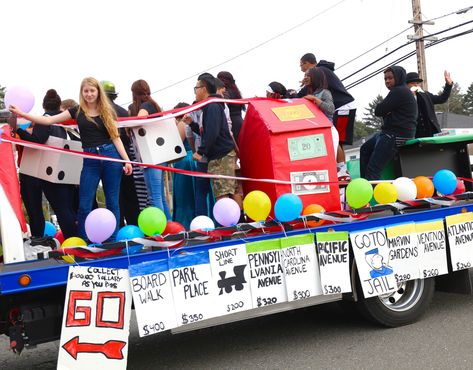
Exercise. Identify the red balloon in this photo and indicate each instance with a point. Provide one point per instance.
(173, 227)
(460, 187)
(59, 237)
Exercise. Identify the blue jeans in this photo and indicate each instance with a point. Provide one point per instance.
(155, 184)
(375, 154)
(92, 172)
(203, 193)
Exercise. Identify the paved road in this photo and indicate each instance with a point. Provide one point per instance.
(320, 337)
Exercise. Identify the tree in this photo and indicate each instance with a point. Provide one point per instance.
(468, 101)
(361, 130)
(454, 104)
(2, 97)
(370, 120)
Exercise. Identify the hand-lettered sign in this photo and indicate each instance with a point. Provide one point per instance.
(432, 248)
(370, 248)
(267, 281)
(231, 279)
(460, 240)
(301, 270)
(192, 288)
(404, 255)
(96, 319)
(152, 294)
(333, 252)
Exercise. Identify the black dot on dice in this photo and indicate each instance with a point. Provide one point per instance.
(178, 149)
(142, 132)
(61, 175)
(66, 147)
(49, 171)
(160, 141)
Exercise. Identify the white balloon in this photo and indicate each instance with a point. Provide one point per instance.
(202, 223)
(406, 189)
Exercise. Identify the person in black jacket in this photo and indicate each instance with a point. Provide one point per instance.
(399, 112)
(217, 143)
(427, 124)
(60, 196)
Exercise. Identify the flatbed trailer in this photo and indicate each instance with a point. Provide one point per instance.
(35, 310)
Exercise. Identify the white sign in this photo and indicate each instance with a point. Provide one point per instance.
(230, 277)
(267, 281)
(301, 270)
(432, 248)
(370, 248)
(460, 240)
(333, 252)
(96, 319)
(191, 280)
(404, 256)
(152, 294)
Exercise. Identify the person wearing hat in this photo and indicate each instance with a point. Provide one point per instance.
(427, 124)
(109, 88)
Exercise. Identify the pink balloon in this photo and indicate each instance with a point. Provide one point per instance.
(226, 212)
(100, 225)
(19, 96)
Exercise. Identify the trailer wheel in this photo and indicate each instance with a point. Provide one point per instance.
(402, 307)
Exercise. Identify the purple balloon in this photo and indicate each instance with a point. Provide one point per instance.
(226, 212)
(19, 96)
(100, 225)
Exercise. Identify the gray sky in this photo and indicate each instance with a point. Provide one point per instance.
(54, 44)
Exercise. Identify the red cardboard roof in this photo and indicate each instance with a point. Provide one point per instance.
(290, 115)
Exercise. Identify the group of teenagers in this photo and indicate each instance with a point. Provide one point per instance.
(210, 136)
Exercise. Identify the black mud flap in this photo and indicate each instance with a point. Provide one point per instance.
(460, 282)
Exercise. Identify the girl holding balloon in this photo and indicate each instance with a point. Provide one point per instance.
(96, 120)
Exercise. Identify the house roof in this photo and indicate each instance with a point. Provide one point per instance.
(453, 120)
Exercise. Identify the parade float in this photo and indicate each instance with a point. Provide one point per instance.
(382, 246)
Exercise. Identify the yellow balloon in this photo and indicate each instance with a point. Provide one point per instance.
(257, 205)
(72, 242)
(385, 192)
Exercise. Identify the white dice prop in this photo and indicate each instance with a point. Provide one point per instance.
(54, 167)
(159, 142)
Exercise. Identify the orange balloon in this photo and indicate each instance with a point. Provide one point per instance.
(425, 187)
(313, 208)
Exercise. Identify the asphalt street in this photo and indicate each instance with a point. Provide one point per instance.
(321, 337)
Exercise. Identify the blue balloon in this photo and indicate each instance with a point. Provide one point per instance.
(445, 182)
(129, 232)
(49, 229)
(24, 126)
(288, 207)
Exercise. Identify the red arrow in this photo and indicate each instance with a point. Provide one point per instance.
(111, 349)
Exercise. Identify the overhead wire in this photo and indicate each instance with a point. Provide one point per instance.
(374, 47)
(406, 56)
(402, 46)
(460, 11)
(254, 47)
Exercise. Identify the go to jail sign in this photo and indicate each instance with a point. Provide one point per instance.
(96, 319)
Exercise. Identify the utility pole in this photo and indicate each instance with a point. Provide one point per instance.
(419, 37)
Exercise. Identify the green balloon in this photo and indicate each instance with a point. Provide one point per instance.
(359, 192)
(152, 221)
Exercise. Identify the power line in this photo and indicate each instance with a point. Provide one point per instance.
(406, 56)
(461, 11)
(253, 48)
(374, 47)
(402, 46)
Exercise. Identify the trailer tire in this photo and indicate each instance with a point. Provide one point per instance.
(403, 307)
